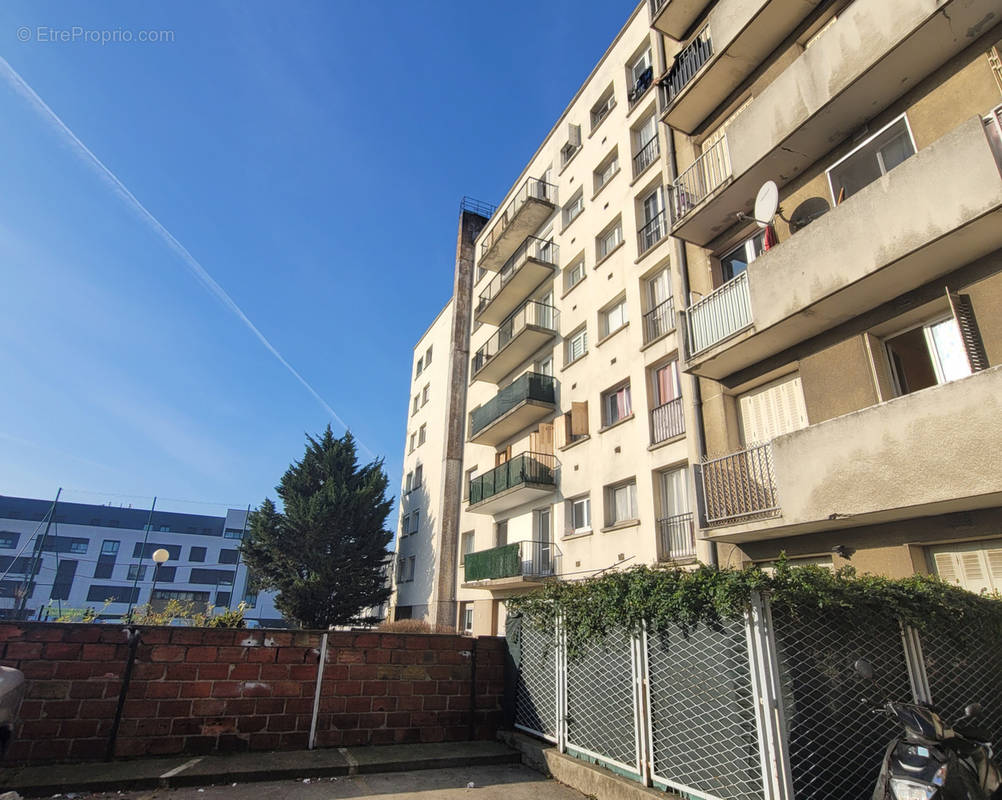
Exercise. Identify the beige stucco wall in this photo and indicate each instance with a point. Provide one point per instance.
(838, 380)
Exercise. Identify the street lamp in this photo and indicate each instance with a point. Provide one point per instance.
(160, 555)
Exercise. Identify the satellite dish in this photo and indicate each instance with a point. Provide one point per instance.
(766, 203)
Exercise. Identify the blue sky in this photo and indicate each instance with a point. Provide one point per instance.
(310, 157)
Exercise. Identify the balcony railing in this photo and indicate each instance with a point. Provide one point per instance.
(718, 316)
(528, 559)
(656, 6)
(531, 386)
(667, 421)
(653, 232)
(516, 471)
(676, 537)
(646, 155)
(700, 178)
(685, 66)
(532, 313)
(533, 247)
(659, 320)
(641, 86)
(739, 485)
(533, 188)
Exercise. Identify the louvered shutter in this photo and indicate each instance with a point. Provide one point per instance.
(963, 313)
(579, 419)
(946, 567)
(772, 410)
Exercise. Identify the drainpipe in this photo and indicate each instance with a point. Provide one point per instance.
(683, 262)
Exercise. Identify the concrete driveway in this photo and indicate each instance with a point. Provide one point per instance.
(502, 782)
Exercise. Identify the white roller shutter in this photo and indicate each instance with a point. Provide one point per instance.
(772, 410)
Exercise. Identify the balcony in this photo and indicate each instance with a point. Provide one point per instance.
(534, 202)
(875, 52)
(521, 479)
(516, 340)
(697, 182)
(652, 233)
(667, 421)
(738, 36)
(935, 212)
(674, 17)
(530, 265)
(676, 538)
(934, 451)
(646, 155)
(525, 402)
(511, 565)
(659, 321)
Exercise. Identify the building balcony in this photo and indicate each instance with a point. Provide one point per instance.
(738, 36)
(934, 451)
(511, 565)
(677, 538)
(646, 155)
(935, 212)
(871, 55)
(532, 263)
(521, 479)
(659, 321)
(534, 202)
(674, 18)
(530, 399)
(517, 338)
(652, 233)
(667, 421)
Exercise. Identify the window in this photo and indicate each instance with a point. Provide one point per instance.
(405, 525)
(223, 599)
(425, 393)
(737, 260)
(466, 546)
(137, 572)
(621, 502)
(427, 356)
(409, 483)
(414, 408)
(8, 539)
(574, 274)
(613, 318)
(578, 515)
(609, 240)
(422, 434)
(577, 346)
(413, 442)
(415, 521)
(197, 554)
(232, 533)
(772, 410)
(501, 533)
(163, 528)
(667, 416)
(109, 547)
(228, 556)
(674, 492)
(573, 144)
(641, 75)
(616, 405)
(928, 355)
(601, 109)
(116, 594)
(576, 423)
(173, 550)
(466, 483)
(466, 617)
(976, 566)
(574, 207)
(418, 472)
(250, 598)
(409, 570)
(606, 171)
(646, 148)
(78, 547)
(165, 574)
(875, 157)
(211, 577)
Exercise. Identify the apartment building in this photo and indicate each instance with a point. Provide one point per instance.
(847, 345)
(91, 554)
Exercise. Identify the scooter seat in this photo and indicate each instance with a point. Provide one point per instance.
(973, 732)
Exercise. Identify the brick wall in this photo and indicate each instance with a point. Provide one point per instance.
(203, 690)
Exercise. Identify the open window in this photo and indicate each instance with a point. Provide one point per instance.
(875, 157)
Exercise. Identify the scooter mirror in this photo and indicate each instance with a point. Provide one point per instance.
(972, 710)
(864, 669)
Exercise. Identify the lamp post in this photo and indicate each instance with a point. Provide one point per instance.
(160, 555)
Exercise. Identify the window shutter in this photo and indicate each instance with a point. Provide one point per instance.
(574, 135)
(545, 438)
(534, 442)
(946, 567)
(963, 313)
(579, 419)
(994, 558)
(772, 410)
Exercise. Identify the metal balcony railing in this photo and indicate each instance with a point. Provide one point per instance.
(667, 421)
(652, 233)
(528, 559)
(718, 316)
(700, 178)
(646, 155)
(656, 6)
(533, 247)
(659, 320)
(531, 386)
(532, 313)
(533, 188)
(685, 66)
(676, 537)
(739, 485)
(519, 470)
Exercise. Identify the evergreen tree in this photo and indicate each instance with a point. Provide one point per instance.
(326, 554)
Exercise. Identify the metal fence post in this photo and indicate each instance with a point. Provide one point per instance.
(642, 705)
(777, 779)
(915, 662)
(560, 668)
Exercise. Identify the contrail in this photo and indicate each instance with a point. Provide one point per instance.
(201, 274)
